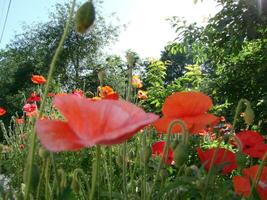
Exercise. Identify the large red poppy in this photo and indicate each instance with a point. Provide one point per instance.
(2, 111)
(38, 79)
(88, 123)
(157, 150)
(242, 184)
(34, 98)
(223, 158)
(191, 107)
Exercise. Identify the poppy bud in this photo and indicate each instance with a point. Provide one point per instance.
(192, 171)
(174, 144)
(180, 154)
(75, 184)
(119, 160)
(241, 160)
(146, 154)
(249, 115)
(63, 178)
(85, 17)
(43, 153)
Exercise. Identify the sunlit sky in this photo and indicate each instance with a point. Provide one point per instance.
(146, 32)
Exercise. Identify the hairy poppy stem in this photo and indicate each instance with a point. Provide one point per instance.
(166, 148)
(95, 172)
(257, 178)
(29, 163)
(211, 169)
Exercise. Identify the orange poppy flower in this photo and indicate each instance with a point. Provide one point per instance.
(136, 82)
(38, 79)
(242, 184)
(2, 111)
(89, 123)
(224, 158)
(107, 92)
(19, 120)
(141, 94)
(191, 107)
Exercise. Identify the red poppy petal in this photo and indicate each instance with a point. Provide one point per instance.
(182, 104)
(57, 136)
(241, 185)
(200, 122)
(163, 123)
(104, 121)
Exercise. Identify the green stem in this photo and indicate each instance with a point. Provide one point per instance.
(30, 158)
(210, 170)
(124, 170)
(95, 172)
(238, 110)
(258, 175)
(166, 148)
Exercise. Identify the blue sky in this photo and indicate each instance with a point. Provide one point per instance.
(147, 30)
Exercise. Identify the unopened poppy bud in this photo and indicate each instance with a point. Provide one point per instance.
(174, 144)
(63, 178)
(241, 160)
(119, 160)
(75, 184)
(249, 115)
(180, 154)
(85, 17)
(43, 153)
(192, 171)
(146, 154)
(101, 76)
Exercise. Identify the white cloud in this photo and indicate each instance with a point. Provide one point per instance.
(148, 31)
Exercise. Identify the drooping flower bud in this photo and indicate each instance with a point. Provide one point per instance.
(249, 115)
(85, 17)
(146, 154)
(180, 154)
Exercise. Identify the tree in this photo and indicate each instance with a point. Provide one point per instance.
(32, 52)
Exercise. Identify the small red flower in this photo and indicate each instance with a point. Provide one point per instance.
(252, 143)
(158, 148)
(223, 158)
(89, 123)
(79, 93)
(29, 107)
(37, 79)
(50, 94)
(191, 107)
(34, 98)
(2, 111)
(242, 184)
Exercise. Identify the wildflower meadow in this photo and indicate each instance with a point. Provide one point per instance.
(78, 124)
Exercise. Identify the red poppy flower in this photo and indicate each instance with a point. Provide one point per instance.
(88, 123)
(242, 185)
(34, 98)
(2, 111)
(158, 148)
(37, 79)
(223, 158)
(252, 143)
(191, 107)
(29, 107)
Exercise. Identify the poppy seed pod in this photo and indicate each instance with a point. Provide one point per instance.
(249, 115)
(85, 17)
(180, 154)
